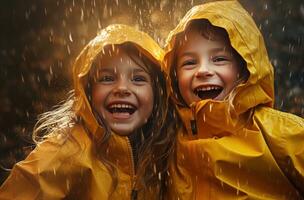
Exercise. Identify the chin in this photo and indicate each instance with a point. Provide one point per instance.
(122, 131)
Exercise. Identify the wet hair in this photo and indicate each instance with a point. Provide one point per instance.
(210, 32)
(56, 122)
(158, 132)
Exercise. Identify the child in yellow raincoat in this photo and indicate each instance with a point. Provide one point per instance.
(109, 140)
(232, 144)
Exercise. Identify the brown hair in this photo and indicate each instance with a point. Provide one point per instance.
(154, 152)
(158, 133)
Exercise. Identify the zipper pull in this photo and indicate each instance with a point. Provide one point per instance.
(193, 120)
(134, 195)
(193, 127)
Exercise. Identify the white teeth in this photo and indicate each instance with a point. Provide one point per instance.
(207, 88)
(121, 106)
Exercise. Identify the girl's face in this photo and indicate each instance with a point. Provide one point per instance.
(122, 92)
(206, 69)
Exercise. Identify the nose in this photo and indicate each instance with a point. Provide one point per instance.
(122, 88)
(204, 70)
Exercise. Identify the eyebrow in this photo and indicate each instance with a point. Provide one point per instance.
(186, 53)
(105, 69)
(191, 53)
(220, 49)
(140, 69)
(111, 70)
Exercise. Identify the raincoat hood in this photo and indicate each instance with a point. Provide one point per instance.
(244, 151)
(246, 39)
(112, 35)
(67, 166)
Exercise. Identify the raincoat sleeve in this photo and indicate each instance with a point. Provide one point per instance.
(39, 176)
(284, 134)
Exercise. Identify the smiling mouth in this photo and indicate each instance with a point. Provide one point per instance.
(208, 92)
(121, 108)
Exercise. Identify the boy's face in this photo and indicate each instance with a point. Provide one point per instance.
(122, 93)
(206, 69)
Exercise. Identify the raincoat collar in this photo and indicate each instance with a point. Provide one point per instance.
(111, 35)
(247, 40)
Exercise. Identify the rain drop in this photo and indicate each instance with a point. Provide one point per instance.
(68, 184)
(68, 49)
(81, 15)
(70, 37)
(22, 78)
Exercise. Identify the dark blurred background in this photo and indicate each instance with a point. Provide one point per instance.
(39, 39)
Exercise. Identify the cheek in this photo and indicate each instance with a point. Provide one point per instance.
(98, 95)
(146, 99)
(230, 75)
(184, 81)
(149, 96)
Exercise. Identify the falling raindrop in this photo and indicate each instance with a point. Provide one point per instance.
(22, 78)
(99, 24)
(70, 37)
(110, 12)
(51, 70)
(222, 184)
(68, 49)
(68, 184)
(210, 107)
(81, 15)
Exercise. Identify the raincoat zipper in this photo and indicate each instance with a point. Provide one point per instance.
(193, 125)
(133, 177)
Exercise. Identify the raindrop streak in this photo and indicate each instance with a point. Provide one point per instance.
(70, 37)
(81, 15)
(68, 48)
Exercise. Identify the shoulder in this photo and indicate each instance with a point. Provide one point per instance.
(279, 121)
(283, 132)
(56, 152)
(57, 163)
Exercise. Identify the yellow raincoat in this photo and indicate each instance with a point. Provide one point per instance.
(255, 152)
(62, 168)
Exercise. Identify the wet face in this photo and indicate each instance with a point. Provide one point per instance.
(206, 69)
(122, 92)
